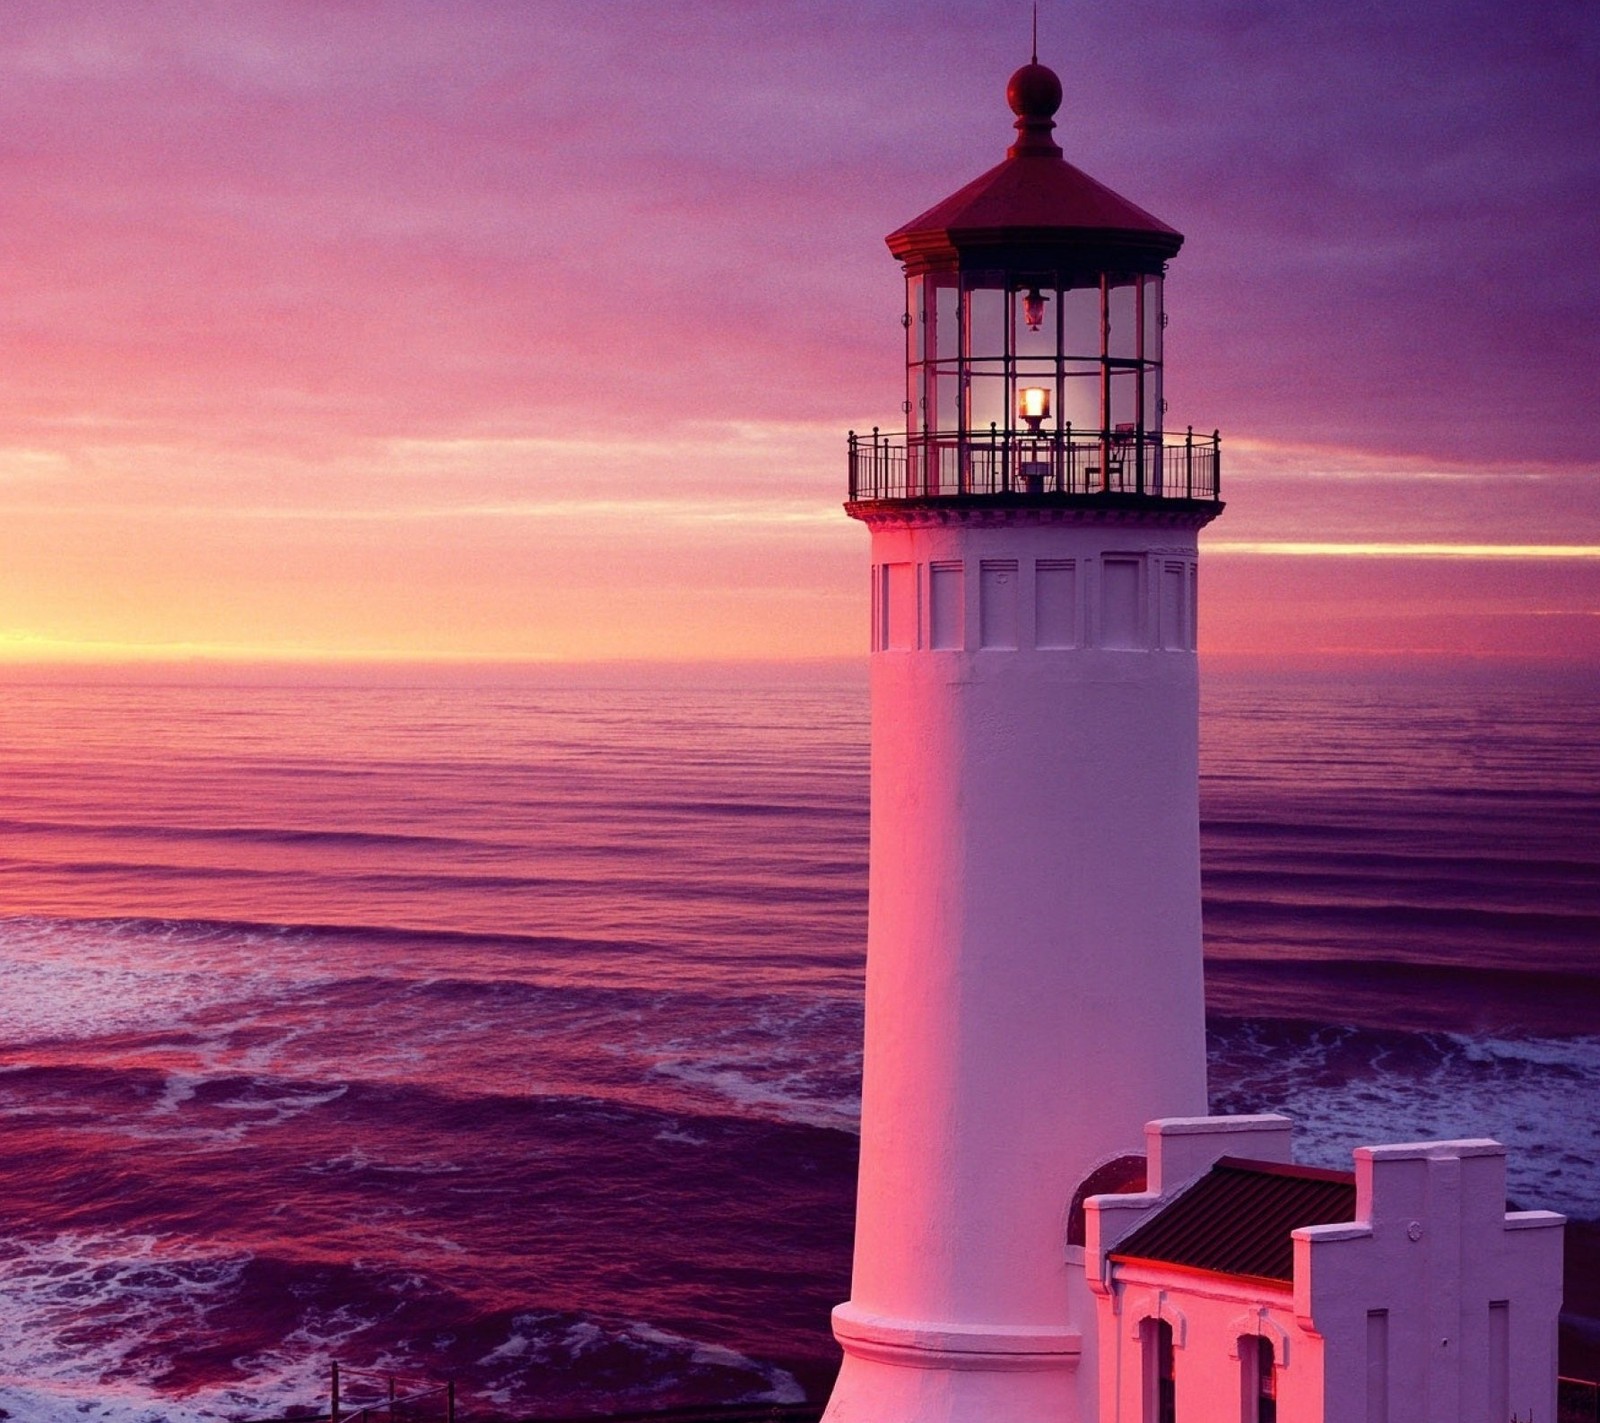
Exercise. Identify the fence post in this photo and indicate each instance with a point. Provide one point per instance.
(333, 1412)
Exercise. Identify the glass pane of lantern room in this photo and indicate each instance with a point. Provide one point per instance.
(987, 392)
(917, 320)
(1152, 319)
(1152, 401)
(945, 305)
(1080, 396)
(946, 412)
(1122, 312)
(1080, 323)
(1124, 414)
(986, 315)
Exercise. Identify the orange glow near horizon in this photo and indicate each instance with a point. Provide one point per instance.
(456, 551)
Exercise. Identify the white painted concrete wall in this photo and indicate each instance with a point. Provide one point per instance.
(1208, 1315)
(1209, 1318)
(1434, 1305)
(1034, 988)
(1439, 1306)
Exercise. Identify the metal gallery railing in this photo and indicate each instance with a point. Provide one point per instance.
(1577, 1401)
(1064, 463)
(374, 1396)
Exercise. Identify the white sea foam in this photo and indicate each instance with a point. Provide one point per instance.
(356, 1161)
(659, 1359)
(227, 1122)
(78, 999)
(784, 1060)
(63, 981)
(90, 1323)
(1540, 1097)
(85, 1321)
(781, 1387)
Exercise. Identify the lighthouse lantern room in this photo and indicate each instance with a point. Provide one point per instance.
(1034, 324)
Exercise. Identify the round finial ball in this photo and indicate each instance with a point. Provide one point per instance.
(1034, 92)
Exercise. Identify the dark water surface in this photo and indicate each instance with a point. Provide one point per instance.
(514, 1033)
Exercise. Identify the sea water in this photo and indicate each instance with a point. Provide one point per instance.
(512, 1032)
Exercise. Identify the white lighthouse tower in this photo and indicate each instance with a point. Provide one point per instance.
(1034, 989)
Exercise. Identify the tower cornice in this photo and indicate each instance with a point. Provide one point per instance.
(999, 511)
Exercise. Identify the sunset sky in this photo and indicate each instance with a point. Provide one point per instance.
(367, 329)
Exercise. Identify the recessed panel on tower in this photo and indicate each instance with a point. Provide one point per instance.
(1055, 603)
(1121, 603)
(946, 607)
(899, 607)
(997, 604)
(1174, 620)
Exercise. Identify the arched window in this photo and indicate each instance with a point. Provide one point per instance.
(1160, 1396)
(1258, 1379)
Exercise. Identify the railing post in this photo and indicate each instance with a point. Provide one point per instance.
(1216, 464)
(877, 468)
(1188, 463)
(994, 458)
(333, 1412)
(852, 444)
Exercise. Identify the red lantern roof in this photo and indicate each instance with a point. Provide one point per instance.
(1035, 200)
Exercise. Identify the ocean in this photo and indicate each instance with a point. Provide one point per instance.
(510, 1031)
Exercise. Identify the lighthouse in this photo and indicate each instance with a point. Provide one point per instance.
(1034, 984)
(1048, 1227)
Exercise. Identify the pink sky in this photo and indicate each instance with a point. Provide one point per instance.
(531, 330)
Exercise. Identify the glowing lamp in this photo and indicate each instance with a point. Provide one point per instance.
(1033, 309)
(1033, 405)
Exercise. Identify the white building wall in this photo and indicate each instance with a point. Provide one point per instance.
(1209, 1316)
(1434, 1305)
(1439, 1306)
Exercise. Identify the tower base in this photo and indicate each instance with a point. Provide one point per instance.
(899, 1371)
